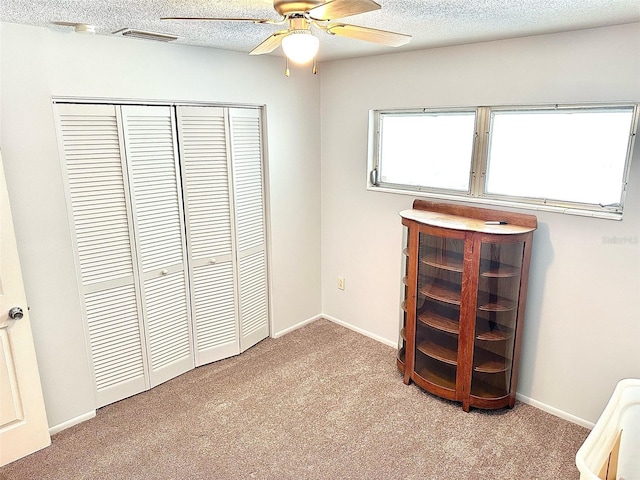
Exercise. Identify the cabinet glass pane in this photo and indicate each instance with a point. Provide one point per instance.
(402, 336)
(496, 314)
(438, 308)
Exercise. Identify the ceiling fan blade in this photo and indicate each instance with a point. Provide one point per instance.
(270, 44)
(342, 8)
(383, 37)
(225, 19)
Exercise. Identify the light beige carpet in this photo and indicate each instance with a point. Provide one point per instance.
(322, 402)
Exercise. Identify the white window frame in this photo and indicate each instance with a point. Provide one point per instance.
(477, 191)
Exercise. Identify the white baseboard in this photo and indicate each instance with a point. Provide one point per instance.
(361, 331)
(523, 398)
(296, 326)
(554, 411)
(70, 423)
(529, 401)
(339, 322)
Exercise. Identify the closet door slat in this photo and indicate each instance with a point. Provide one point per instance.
(253, 297)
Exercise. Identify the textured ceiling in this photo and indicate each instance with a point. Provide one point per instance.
(432, 23)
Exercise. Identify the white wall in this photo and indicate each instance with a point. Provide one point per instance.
(36, 64)
(583, 315)
(583, 312)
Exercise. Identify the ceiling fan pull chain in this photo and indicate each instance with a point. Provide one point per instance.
(315, 66)
(286, 69)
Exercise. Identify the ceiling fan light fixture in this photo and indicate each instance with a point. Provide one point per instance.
(300, 46)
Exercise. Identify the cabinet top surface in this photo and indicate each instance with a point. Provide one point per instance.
(456, 222)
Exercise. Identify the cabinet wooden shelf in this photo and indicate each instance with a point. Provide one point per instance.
(465, 287)
(485, 362)
(439, 322)
(489, 362)
(498, 305)
(441, 351)
(451, 263)
(431, 374)
(502, 271)
(493, 335)
(486, 391)
(442, 291)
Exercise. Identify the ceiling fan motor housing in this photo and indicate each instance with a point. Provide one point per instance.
(287, 7)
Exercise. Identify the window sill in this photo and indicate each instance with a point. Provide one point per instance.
(502, 203)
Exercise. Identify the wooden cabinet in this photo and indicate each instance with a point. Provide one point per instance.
(465, 288)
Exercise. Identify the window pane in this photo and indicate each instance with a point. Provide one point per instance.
(427, 150)
(574, 155)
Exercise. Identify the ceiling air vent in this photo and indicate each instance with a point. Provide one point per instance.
(158, 37)
(79, 27)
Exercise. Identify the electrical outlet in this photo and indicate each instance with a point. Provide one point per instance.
(341, 283)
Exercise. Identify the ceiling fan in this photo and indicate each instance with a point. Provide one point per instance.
(297, 40)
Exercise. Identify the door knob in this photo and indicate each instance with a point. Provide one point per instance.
(16, 313)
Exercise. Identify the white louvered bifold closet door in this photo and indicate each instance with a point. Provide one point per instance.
(165, 286)
(246, 158)
(151, 154)
(205, 164)
(92, 156)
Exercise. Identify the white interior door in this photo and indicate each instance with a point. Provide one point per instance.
(23, 421)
